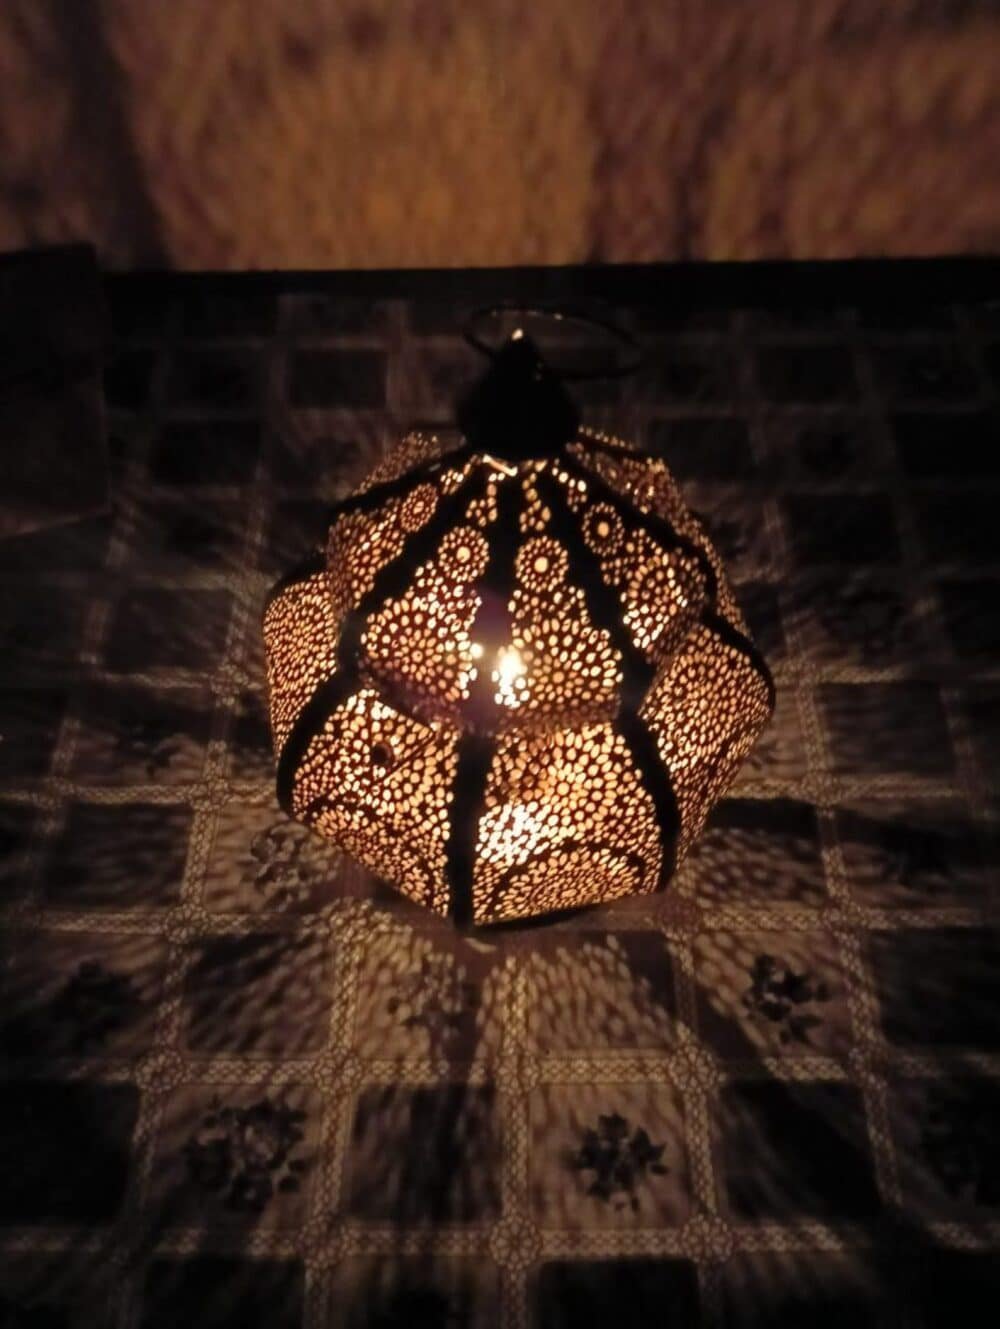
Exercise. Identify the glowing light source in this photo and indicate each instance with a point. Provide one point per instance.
(509, 674)
(516, 680)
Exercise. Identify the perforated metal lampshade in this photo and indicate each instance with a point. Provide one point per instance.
(515, 680)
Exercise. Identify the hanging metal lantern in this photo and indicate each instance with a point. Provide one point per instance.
(516, 679)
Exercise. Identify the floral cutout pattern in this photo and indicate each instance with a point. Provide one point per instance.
(778, 994)
(620, 1158)
(247, 1154)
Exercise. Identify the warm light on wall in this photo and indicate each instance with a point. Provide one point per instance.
(516, 680)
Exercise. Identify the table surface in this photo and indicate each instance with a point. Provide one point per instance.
(246, 1084)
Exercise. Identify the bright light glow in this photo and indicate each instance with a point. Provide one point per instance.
(508, 675)
(510, 666)
(506, 833)
(569, 812)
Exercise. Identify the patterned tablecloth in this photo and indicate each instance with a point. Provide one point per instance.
(243, 1084)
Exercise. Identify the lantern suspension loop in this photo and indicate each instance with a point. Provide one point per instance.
(489, 327)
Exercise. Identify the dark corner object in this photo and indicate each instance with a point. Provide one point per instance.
(53, 334)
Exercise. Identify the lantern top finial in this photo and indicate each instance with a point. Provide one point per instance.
(519, 409)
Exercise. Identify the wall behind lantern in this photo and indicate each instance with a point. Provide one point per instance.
(389, 133)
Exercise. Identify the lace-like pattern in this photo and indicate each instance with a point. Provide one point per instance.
(524, 604)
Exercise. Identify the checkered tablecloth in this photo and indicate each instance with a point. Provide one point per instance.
(244, 1084)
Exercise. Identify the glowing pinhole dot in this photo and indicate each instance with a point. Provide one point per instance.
(541, 563)
(603, 530)
(476, 650)
(463, 553)
(381, 755)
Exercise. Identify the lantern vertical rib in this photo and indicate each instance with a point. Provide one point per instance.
(477, 745)
(604, 605)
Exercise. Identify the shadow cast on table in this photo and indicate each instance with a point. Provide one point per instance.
(234, 1160)
(229, 1161)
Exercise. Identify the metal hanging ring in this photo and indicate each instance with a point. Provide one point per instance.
(617, 337)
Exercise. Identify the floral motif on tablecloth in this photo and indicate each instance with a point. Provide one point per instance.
(958, 1138)
(247, 1154)
(435, 998)
(143, 741)
(283, 873)
(782, 996)
(91, 1006)
(619, 1159)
